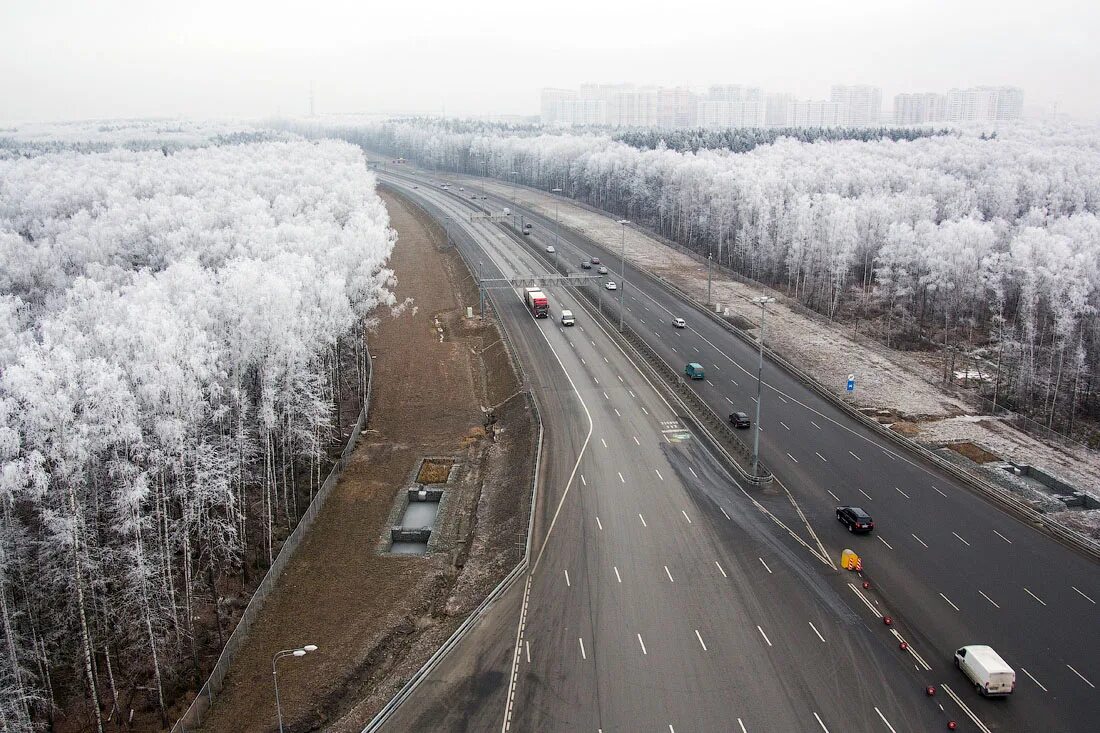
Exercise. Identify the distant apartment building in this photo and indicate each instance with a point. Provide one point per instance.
(634, 108)
(554, 105)
(775, 109)
(919, 109)
(810, 113)
(676, 107)
(985, 104)
(861, 104)
(732, 105)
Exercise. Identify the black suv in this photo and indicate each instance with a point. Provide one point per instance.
(855, 519)
(740, 420)
(586, 265)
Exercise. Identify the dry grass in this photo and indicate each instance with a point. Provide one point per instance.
(974, 452)
(906, 428)
(434, 471)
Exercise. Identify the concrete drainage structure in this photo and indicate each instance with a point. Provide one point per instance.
(418, 505)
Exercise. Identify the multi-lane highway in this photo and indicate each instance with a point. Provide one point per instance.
(660, 597)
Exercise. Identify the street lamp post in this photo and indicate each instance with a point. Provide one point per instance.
(622, 273)
(299, 652)
(762, 301)
(514, 174)
(708, 279)
(557, 227)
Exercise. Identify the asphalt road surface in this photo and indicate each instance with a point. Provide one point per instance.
(660, 596)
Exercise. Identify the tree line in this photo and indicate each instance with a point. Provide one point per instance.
(178, 329)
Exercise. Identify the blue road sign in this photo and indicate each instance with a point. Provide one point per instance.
(851, 383)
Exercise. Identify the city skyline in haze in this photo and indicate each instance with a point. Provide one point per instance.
(120, 58)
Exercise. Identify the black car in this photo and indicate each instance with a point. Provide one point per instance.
(586, 265)
(855, 519)
(740, 420)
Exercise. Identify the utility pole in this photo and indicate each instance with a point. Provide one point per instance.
(622, 273)
(763, 301)
(709, 301)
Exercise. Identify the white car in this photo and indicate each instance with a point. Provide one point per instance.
(550, 250)
(611, 285)
(679, 323)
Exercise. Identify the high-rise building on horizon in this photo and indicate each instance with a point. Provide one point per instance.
(861, 104)
(918, 109)
(815, 113)
(985, 104)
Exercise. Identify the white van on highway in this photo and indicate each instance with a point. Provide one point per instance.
(990, 674)
(567, 318)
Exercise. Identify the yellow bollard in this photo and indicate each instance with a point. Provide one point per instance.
(849, 560)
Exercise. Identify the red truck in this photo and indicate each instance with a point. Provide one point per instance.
(536, 303)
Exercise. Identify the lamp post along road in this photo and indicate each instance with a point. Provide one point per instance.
(759, 380)
(622, 273)
(709, 301)
(300, 652)
(514, 174)
(557, 228)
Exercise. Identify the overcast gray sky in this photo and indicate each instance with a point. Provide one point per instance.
(246, 58)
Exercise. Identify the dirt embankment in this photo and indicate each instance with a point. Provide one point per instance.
(377, 617)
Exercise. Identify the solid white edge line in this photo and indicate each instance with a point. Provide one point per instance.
(969, 713)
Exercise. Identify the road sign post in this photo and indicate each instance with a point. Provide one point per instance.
(851, 383)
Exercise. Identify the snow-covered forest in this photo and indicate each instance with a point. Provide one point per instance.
(985, 247)
(175, 329)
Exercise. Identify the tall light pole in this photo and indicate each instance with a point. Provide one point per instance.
(708, 279)
(557, 227)
(762, 301)
(300, 652)
(514, 174)
(622, 273)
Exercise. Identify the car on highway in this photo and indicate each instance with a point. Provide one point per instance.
(527, 232)
(855, 519)
(567, 318)
(602, 270)
(528, 225)
(549, 250)
(740, 420)
(586, 265)
(694, 370)
(679, 323)
(611, 285)
(595, 260)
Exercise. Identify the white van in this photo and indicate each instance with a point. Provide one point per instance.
(567, 318)
(990, 674)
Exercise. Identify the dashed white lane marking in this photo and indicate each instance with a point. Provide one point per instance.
(642, 643)
(820, 456)
(617, 576)
(717, 367)
(700, 638)
(853, 455)
(865, 494)
(983, 595)
(949, 601)
(792, 458)
(918, 539)
(620, 378)
(658, 474)
(743, 728)
(901, 492)
(833, 495)
(766, 639)
(1034, 596)
(605, 361)
(710, 383)
(527, 645)
(645, 411)
(884, 720)
(581, 641)
(724, 513)
(892, 456)
(632, 394)
(819, 636)
(1071, 669)
(969, 713)
(729, 400)
(596, 381)
(934, 488)
(604, 442)
(599, 523)
(1002, 537)
(1083, 595)
(765, 565)
(585, 363)
(696, 349)
(621, 476)
(567, 583)
(583, 481)
(815, 425)
(686, 516)
(643, 520)
(671, 729)
(883, 541)
(819, 722)
(723, 572)
(960, 539)
(735, 384)
(1034, 680)
(669, 574)
(605, 396)
(636, 440)
(617, 413)
(692, 472)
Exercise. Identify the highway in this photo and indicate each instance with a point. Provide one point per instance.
(950, 567)
(660, 596)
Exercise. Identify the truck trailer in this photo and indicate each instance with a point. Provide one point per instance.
(536, 303)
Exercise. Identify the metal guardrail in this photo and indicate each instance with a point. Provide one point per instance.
(198, 708)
